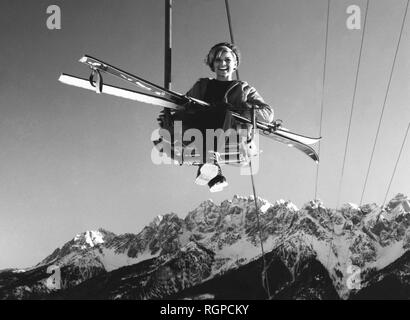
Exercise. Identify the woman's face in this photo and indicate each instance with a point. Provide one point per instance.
(225, 65)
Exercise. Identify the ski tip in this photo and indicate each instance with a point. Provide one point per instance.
(62, 77)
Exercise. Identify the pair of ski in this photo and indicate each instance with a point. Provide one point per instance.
(160, 96)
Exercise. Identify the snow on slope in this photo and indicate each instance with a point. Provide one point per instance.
(91, 238)
(387, 255)
(112, 260)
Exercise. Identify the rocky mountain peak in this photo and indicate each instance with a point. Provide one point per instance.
(227, 236)
(400, 203)
(88, 239)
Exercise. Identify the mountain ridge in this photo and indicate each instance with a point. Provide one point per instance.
(213, 240)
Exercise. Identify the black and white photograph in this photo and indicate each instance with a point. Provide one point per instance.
(220, 151)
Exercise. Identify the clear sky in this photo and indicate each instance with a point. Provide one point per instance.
(71, 160)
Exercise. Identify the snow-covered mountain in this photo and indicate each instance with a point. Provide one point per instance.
(319, 253)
